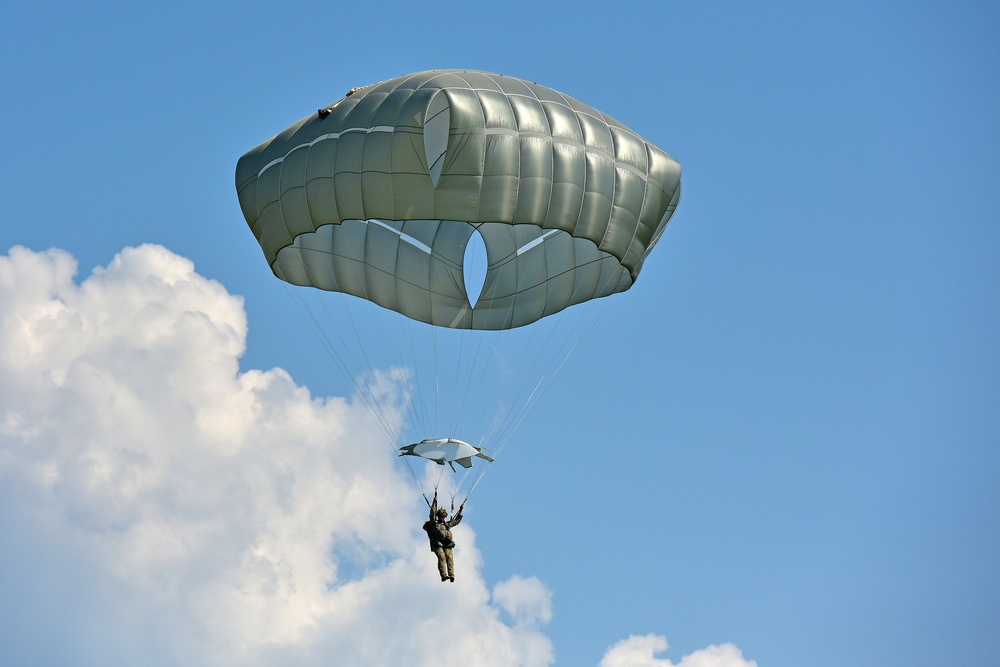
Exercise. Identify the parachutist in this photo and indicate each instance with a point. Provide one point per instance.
(438, 528)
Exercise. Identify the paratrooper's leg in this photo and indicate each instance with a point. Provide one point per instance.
(443, 562)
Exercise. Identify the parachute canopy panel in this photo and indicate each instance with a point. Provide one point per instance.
(378, 194)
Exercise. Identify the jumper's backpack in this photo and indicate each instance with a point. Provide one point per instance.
(429, 529)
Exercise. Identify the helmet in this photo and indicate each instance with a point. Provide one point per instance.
(442, 512)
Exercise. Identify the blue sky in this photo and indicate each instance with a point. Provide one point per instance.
(783, 441)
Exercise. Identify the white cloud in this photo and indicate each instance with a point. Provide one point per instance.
(641, 651)
(526, 600)
(160, 507)
(163, 507)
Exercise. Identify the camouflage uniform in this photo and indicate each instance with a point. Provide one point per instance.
(439, 533)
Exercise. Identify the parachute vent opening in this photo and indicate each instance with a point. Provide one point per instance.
(474, 267)
(437, 125)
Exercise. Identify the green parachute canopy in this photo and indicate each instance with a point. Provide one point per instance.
(382, 193)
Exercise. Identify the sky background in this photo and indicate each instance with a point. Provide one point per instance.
(779, 448)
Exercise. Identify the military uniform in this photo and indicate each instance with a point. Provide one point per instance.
(439, 533)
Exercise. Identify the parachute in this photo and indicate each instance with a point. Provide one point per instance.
(386, 193)
(378, 194)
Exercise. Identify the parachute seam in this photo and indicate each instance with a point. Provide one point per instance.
(482, 157)
(583, 194)
(281, 212)
(642, 208)
(614, 192)
(517, 131)
(330, 136)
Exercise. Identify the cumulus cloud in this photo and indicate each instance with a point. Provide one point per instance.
(159, 506)
(526, 600)
(641, 651)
